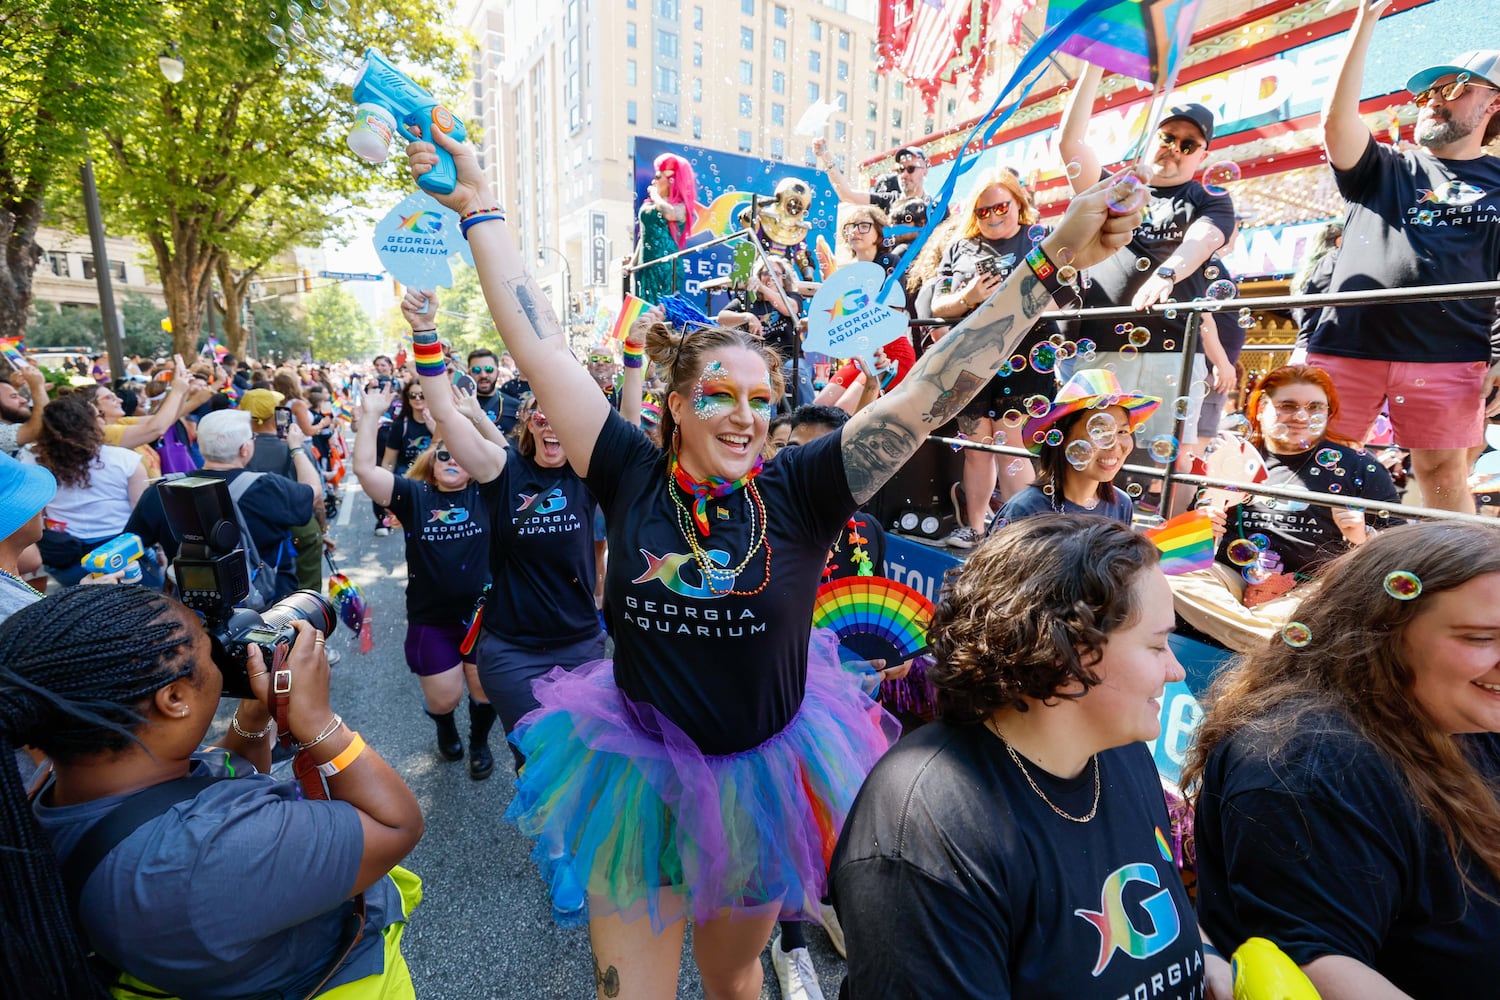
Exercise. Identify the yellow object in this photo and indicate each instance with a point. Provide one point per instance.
(1263, 971)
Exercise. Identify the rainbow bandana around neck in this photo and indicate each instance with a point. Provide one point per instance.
(704, 489)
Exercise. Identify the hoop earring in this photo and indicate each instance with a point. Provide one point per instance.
(676, 437)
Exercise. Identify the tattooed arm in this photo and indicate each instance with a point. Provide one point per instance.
(879, 439)
(522, 313)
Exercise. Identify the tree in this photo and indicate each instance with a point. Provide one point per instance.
(279, 332)
(55, 59)
(337, 326)
(238, 161)
(75, 326)
(143, 334)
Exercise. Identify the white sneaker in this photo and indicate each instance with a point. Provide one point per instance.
(795, 973)
(334, 656)
(830, 921)
(963, 537)
(382, 531)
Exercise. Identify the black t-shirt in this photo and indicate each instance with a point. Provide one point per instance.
(1415, 220)
(1305, 535)
(271, 506)
(886, 200)
(1169, 213)
(954, 879)
(1321, 848)
(447, 549)
(272, 454)
(542, 559)
(507, 404)
(778, 330)
(408, 437)
(729, 670)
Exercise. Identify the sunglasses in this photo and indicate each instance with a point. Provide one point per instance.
(416, 396)
(998, 208)
(482, 370)
(443, 455)
(911, 168)
(1186, 146)
(858, 227)
(1450, 92)
(1290, 409)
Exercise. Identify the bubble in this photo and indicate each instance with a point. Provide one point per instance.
(1133, 490)
(1053, 438)
(1017, 362)
(1237, 424)
(1078, 453)
(1101, 428)
(1170, 345)
(1036, 233)
(1057, 340)
(1037, 405)
(1044, 357)
(282, 55)
(276, 35)
(1296, 635)
(1067, 349)
(1170, 313)
(339, 7)
(297, 31)
(1242, 552)
(293, 11)
(1126, 195)
(1129, 350)
(1067, 274)
(318, 4)
(1424, 218)
(1181, 406)
(1143, 263)
(1218, 176)
(1014, 467)
(1400, 399)
(1163, 448)
(1256, 573)
(1139, 336)
(1013, 418)
(1222, 289)
(1260, 541)
(1087, 349)
(1210, 272)
(1403, 585)
(1073, 169)
(1245, 321)
(1335, 488)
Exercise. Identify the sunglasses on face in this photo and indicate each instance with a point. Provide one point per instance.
(985, 211)
(858, 227)
(1290, 409)
(443, 455)
(416, 397)
(481, 369)
(1186, 146)
(910, 168)
(1449, 92)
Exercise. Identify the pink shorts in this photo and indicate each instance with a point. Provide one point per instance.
(1432, 406)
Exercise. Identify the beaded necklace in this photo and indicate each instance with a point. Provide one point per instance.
(690, 524)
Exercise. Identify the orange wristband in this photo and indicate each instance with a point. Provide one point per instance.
(346, 757)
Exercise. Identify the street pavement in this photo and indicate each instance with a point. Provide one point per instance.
(484, 929)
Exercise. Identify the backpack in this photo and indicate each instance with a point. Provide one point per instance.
(262, 574)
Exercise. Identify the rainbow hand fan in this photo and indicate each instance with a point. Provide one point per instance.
(875, 617)
(352, 609)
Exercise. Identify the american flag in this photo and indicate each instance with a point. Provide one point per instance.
(932, 42)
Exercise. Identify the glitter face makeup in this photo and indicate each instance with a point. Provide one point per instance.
(710, 396)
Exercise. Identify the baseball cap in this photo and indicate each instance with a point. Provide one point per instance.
(1481, 63)
(1195, 113)
(24, 491)
(261, 404)
(906, 151)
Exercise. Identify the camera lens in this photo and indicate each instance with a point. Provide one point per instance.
(304, 605)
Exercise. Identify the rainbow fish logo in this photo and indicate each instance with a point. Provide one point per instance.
(1451, 193)
(549, 503)
(1165, 847)
(453, 515)
(1117, 932)
(427, 223)
(848, 304)
(667, 570)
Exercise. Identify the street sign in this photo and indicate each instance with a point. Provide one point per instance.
(350, 276)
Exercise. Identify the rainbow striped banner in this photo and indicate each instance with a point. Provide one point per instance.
(10, 349)
(629, 313)
(1186, 542)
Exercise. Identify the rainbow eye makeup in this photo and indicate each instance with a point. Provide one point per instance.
(716, 393)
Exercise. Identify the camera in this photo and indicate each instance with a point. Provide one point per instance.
(213, 574)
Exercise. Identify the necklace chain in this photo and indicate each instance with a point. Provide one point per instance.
(711, 572)
(990, 724)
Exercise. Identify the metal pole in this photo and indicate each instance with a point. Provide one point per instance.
(1179, 427)
(112, 336)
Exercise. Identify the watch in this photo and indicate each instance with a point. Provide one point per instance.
(1170, 273)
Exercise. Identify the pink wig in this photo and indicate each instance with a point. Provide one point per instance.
(683, 191)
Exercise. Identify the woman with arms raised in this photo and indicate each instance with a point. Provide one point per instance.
(701, 774)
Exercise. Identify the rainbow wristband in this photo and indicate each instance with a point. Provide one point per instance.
(1045, 270)
(635, 357)
(427, 354)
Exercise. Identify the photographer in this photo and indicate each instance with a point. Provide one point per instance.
(278, 437)
(272, 505)
(242, 889)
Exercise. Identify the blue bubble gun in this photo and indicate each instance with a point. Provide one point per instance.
(416, 113)
(120, 554)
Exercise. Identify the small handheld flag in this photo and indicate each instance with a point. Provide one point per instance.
(1186, 542)
(629, 313)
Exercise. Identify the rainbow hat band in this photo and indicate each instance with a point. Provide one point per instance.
(1092, 388)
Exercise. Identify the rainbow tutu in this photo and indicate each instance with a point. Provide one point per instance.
(629, 799)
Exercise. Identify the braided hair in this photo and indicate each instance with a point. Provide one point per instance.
(75, 670)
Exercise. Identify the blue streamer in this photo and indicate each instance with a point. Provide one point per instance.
(682, 312)
(1031, 65)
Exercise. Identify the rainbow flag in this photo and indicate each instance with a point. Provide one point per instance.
(218, 349)
(629, 313)
(10, 349)
(1186, 542)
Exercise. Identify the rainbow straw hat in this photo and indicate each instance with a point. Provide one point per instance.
(1093, 388)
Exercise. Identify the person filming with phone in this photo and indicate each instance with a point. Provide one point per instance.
(225, 882)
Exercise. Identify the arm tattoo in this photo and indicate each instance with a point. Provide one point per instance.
(1034, 297)
(954, 398)
(535, 308)
(874, 451)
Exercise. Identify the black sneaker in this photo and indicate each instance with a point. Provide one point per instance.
(481, 762)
